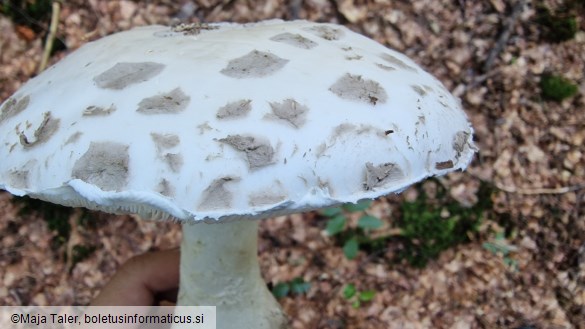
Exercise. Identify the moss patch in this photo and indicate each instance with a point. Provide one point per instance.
(430, 227)
(27, 12)
(558, 26)
(556, 88)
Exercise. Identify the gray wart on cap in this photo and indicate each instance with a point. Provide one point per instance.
(235, 109)
(170, 102)
(259, 153)
(105, 165)
(355, 87)
(255, 64)
(326, 32)
(216, 196)
(290, 111)
(12, 107)
(122, 75)
(47, 128)
(296, 40)
(97, 111)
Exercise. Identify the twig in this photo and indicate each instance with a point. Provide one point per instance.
(539, 190)
(51, 36)
(504, 36)
(341, 19)
(462, 4)
(524, 190)
(480, 79)
(295, 9)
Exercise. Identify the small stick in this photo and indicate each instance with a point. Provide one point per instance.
(462, 8)
(525, 190)
(505, 36)
(295, 9)
(50, 36)
(537, 191)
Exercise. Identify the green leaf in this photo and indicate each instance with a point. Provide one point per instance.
(351, 248)
(491, 247)
(331, 212)
(360, 206)
(512, 263)
(368, 222)
(335, 225)
(281, 290)
(299, 286)
(349, 291)
(497, 248)
(356, 303)
(81, 252)
(366, 296)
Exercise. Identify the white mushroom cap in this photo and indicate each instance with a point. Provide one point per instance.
(226, 121)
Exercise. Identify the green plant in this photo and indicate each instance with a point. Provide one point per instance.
(428, 228)
(556, 88)
(56, 216)
(27, 12)
(79, 253)
(58, 221)
(558, 26)
(500, 246)
(296, 286)
(357, 297)
(352, 238)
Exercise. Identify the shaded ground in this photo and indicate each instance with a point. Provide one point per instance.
(492, 54)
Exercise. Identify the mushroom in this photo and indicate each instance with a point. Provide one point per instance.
(223, 124)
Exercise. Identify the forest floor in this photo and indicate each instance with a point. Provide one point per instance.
(521, 266)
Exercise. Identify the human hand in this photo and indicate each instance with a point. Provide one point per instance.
(143, 280)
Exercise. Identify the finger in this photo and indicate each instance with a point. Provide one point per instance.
(141, 280)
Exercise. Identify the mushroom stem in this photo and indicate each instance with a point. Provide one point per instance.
(219, 267)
